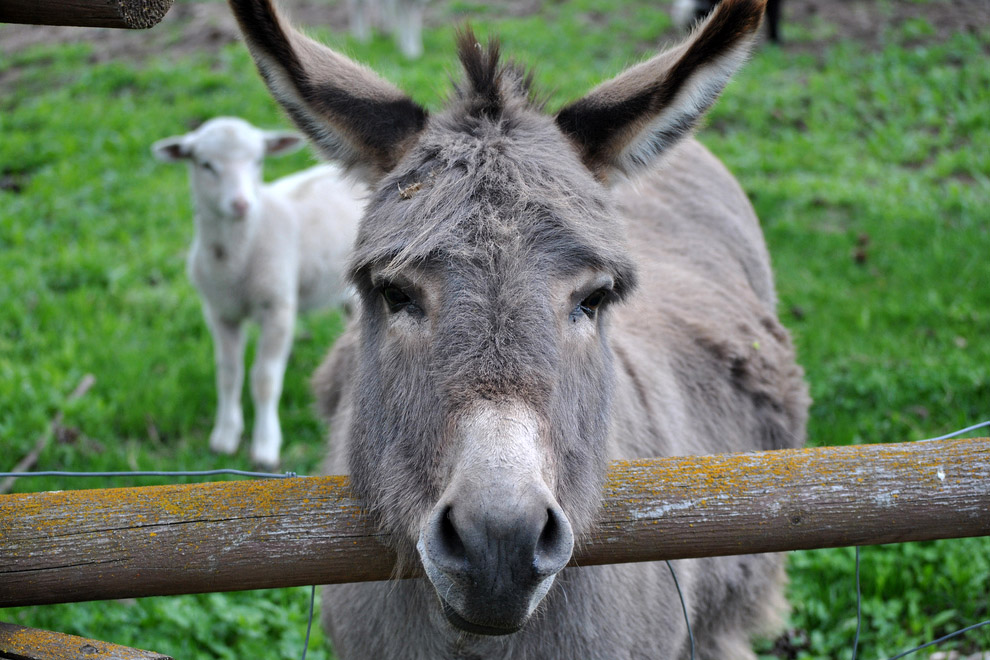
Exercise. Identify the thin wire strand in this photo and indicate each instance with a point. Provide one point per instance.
(959, 432)
(859, 597)
(687, 619)
(309, 624)
(154, 473)
(859, 607)
(942, 639)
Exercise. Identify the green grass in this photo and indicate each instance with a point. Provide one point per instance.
(869, 168)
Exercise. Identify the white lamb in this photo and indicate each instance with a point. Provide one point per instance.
(261, 251)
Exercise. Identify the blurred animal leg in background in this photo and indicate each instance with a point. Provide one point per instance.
(228, 345)
(403, 19)
(408, 26)
(359, 14)
(267, 374)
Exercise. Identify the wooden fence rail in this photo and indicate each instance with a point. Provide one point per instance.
(132, 14)
(20, 643)
(160, 540)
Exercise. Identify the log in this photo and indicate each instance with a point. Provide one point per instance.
(132, 14)
(20, 643)
(160, 540)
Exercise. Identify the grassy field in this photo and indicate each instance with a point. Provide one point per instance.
(869, 164)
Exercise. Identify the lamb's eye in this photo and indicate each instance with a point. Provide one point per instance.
(395, 298)
(591, 304)
(208, 166)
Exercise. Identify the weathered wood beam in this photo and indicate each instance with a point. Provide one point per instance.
(20, 643)
(133, 14)
(159, 540)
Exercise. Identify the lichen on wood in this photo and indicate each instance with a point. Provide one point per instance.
(160, 540)
(21, 643)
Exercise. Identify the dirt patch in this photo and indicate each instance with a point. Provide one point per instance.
(208, 26)
(870, 21)
(199, 27)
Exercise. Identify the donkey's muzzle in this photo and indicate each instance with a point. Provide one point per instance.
(492, 556)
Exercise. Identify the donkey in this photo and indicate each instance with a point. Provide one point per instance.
(535, 299)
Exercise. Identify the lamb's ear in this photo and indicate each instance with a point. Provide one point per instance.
(352, 115)
(629, 122)
(279, 143)
(171, 149)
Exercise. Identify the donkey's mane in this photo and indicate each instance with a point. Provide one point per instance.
(490, 83)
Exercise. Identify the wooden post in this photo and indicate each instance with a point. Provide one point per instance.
(20, 643)
(134, 14)
(159, 540)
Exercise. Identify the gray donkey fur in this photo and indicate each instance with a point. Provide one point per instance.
(529, 312)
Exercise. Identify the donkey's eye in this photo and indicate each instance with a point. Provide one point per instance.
(591, 304)
(396, 298)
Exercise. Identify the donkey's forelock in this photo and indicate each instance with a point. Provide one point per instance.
(490, 84)
(478, 194)
(490, 174)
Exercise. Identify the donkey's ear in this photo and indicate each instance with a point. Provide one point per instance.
(352, 115)
(629, 122)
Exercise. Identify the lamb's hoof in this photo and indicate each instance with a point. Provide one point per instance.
(265, 465)
(265, 445)
(224, 442)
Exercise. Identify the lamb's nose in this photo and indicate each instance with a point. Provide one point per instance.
(239, 206)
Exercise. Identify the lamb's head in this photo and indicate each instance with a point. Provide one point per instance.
(225, 157)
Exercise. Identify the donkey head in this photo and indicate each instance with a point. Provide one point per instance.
(487, 261)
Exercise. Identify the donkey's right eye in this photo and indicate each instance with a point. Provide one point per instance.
(395, 298)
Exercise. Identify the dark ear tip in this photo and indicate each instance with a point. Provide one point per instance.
(741, 15)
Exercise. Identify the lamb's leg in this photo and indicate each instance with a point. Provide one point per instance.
(266, 383)
(228, 344)
(409, 28)
(358, 13)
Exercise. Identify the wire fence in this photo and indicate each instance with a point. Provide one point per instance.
(312, 595)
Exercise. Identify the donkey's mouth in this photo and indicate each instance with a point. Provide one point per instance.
(461, 623)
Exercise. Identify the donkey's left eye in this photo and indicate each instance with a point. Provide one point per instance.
(590, 305)
(395, 298)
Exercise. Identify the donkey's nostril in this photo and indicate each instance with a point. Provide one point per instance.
(556, 542)
(450, 540)
(492, 559)
(444, 544)
(551, 531)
